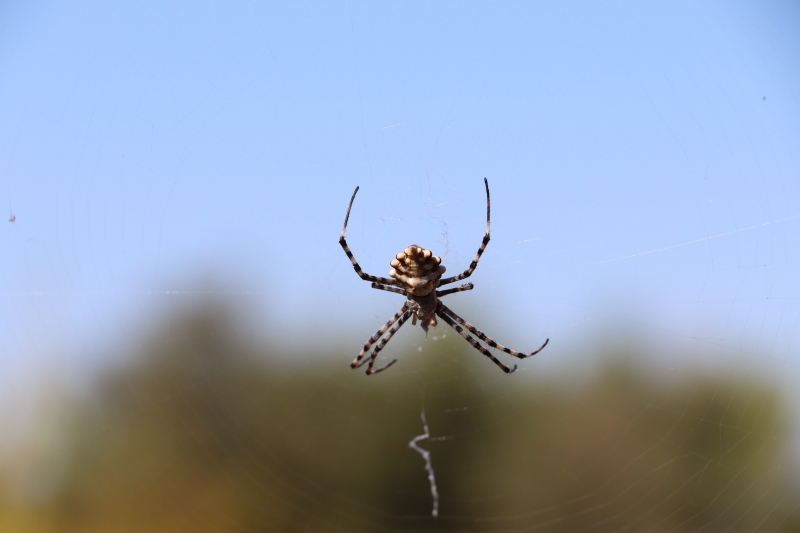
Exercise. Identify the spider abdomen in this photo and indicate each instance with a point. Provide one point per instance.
(417, 269)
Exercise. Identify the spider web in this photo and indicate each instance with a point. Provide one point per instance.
(180, 318)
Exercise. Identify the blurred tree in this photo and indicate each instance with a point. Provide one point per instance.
(207, 431)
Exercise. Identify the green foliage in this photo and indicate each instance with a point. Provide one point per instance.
(206, 431)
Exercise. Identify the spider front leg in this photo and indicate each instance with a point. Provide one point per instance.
(473, 342)
(475, 331)
(381, 344)
(468, 272)
(372, 340)
(363, 275)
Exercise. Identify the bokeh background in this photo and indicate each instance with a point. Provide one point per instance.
(179, 318)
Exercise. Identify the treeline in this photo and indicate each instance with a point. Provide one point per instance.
(204, 430)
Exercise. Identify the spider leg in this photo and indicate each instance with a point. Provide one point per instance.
(468, 272)
(356, 266)
(465, 287)
(390, 289)
(383, 342)
(444, 309)
(372, 340)
(473, 342)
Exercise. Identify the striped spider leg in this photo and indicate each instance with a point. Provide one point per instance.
(363, 275)
(416, 274)
(448, 315)
(398, 319)
(468, 272)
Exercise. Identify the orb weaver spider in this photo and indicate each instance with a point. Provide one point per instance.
(416, 274)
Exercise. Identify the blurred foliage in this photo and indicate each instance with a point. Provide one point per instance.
(206, 430)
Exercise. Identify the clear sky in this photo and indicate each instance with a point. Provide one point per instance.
(643, 158)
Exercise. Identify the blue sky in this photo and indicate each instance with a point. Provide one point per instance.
(643, 162)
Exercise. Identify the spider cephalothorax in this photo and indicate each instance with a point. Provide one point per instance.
(416, 273)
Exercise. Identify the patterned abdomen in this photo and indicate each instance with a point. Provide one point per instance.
(417, 269)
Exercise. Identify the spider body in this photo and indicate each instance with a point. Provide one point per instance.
(418, 271)
(416, 274)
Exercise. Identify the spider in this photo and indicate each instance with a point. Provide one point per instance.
(416, 274)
